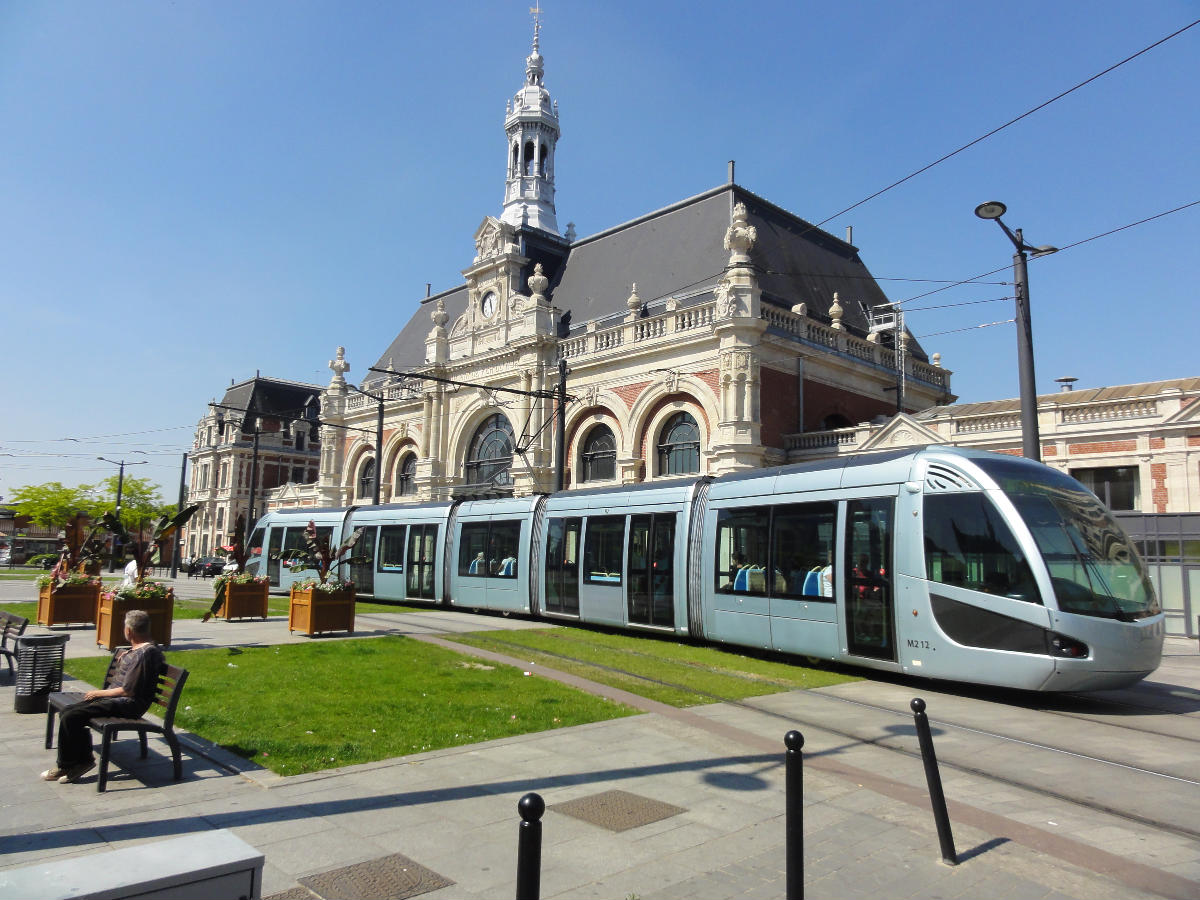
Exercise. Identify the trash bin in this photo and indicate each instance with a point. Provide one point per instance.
(39, 670)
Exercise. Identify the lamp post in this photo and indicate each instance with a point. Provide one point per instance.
(112, 562)
(1030, 439)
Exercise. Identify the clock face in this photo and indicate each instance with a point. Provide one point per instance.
(488, 304)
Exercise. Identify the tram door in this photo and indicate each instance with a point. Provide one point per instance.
(651, 595)
(870, 601)
(363, 574)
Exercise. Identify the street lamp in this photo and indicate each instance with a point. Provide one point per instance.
(112, 563)
(1030, 439)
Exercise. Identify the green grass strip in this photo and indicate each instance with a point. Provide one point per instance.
(304, 707)
(670, 672)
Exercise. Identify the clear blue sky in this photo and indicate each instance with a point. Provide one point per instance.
(191, 191)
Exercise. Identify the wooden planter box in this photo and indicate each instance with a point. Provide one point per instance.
(244, 601)
(313, 612)
(67, 604)
(110, 619)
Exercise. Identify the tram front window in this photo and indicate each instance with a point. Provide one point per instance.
(968, 544)
(1093, 566)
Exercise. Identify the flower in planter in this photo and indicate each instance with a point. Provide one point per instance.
(325, 560)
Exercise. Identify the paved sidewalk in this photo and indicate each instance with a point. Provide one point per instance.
(699, 810)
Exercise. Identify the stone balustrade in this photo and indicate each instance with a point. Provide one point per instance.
(1108, 411)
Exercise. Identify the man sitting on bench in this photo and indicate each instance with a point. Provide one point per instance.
(128, 695)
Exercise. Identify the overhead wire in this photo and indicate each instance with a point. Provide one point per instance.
(1010, 122)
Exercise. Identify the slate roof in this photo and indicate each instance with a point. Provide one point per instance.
(674, 251)
(270, 395)
(1077, 397)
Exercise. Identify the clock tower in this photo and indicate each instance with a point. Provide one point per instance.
(531, 123)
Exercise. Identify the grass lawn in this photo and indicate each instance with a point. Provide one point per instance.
(304, 707)
(665, 670)
(195, 608)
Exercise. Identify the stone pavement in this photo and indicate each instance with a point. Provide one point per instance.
(670, 804)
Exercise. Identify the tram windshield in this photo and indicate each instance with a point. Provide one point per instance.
(1093, 566)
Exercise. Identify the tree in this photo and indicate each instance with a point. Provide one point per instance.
(52, 505)
(140, 500)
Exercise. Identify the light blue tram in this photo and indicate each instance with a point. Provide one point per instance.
(940, 562)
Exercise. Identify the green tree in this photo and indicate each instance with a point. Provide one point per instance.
(140, 500)
(53, 505)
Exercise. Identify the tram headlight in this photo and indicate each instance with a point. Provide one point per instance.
(1069, 648)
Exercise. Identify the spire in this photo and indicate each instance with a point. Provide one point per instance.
(531, 123)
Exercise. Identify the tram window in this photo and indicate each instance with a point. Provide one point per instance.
(802, 538)
(489, 549)
(603, 544)
(742, 550)
(422, 555)
(293, 540)
(391, 548)
(968, 544)
(472, 549)
(503, 541)
(254, 545)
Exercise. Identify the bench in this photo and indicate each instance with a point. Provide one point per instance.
(14, 627)
(170, 687)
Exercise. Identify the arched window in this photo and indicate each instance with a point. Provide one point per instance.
(529, 158)
(366, 479)
(404, 476)
(542, 160)
(489, 459)
(516, 161)
(679, 446)
(600, 455)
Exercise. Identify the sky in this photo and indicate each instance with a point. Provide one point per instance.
(191, 192)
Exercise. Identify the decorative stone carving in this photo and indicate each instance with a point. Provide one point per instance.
(671, 305)
(402, 429)
(836, 312)
(740, 237)
(937, 360)
(800, 309)
(634, 302)
(727, 304)
(538, 283)
(591, 396)
(339, 367)
(669, 379)
(460, 326)
(439, 316)
(488, 243)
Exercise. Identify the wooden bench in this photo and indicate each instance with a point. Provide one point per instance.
(14, 627)
(170, 687)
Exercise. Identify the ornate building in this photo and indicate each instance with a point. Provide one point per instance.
(699, 338)
(255, 440)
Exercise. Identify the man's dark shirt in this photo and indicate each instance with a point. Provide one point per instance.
(137, 672)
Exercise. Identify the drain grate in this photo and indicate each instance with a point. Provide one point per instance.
(389, 878)
(617, 810)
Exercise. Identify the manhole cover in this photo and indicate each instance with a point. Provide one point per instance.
(296, 893)
(389, 878)
(617, 810)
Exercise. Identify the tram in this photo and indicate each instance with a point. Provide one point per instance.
(945, 563)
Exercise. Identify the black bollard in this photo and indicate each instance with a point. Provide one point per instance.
(794, 777)
(529, 847)
(936, 797)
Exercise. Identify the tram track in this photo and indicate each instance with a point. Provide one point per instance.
(1060, 770)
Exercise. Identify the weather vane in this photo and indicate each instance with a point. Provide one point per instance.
(536, 11)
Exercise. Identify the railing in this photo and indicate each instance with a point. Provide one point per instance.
(1103, 412)
(980, 424)
(817, 440)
